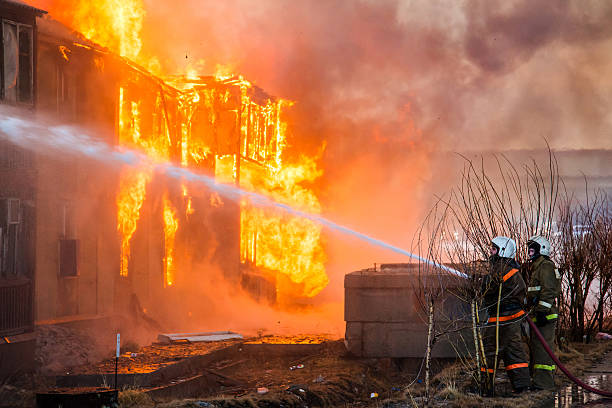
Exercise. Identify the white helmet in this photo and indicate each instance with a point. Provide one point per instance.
(507, 246)
(542, 242)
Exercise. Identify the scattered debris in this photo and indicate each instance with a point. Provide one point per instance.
(603, 336)
(198, 337)
(299, 339)
(153, 357)
(297, 389)
(224, 379)
(59, 348)
(261, 379)
(222, 365)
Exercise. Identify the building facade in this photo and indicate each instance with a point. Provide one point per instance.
(81, 241)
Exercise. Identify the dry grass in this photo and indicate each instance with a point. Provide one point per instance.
(228, 402)
(348, 382)
(454, 384)
(134, 398)
(188, 403)
(15, 397)
(578, 356)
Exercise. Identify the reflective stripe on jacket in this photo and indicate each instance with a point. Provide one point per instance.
(504, 272)
(544, 286)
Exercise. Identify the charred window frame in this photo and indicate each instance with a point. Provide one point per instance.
(18, 63)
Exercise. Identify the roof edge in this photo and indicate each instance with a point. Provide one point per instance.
(20, 4)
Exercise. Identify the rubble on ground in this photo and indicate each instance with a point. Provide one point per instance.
(59, 348)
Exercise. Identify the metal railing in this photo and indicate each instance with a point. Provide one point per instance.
(15, 307)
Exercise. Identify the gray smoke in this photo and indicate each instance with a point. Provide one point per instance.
(389, 84)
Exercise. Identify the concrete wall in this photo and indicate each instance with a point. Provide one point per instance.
(385, 314)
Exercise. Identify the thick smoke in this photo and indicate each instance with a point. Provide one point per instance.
(388, 84)
(493, 73)
(385, 85)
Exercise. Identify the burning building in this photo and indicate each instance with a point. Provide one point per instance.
(81, 243)
(18, 180)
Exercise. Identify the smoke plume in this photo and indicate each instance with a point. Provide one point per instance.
(384, 85)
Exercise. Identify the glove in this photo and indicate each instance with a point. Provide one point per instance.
(541, 319)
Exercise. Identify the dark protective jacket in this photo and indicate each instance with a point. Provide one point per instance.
(544, 287)
(504, 272)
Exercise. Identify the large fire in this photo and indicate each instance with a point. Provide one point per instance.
(131, 195)
(279, 242)
(115, 24)
(224, 124)
(170, 228)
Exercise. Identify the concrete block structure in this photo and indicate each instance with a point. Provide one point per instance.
(386, 314)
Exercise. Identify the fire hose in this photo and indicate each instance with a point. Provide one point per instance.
(569, 375)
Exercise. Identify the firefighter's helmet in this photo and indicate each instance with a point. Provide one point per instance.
(540, 244)
(506, 246)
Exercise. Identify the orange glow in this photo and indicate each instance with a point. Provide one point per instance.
(189, 210)
(133, 182)
(276, 242)
(221, 124)
(280, 242)
(115, 24)
(65, 51)
(170, 227)
(131, 195)
(224, 72)
(215, 200)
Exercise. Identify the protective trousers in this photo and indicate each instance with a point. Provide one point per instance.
(542, 366)
(511, 350)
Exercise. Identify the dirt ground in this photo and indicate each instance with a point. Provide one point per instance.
(151, 358)
(59, 348)
(332, 378)
(327, 377)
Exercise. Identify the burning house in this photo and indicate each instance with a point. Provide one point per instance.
(18, 229)
(79, 243)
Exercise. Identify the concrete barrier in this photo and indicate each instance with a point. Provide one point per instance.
(385, 312)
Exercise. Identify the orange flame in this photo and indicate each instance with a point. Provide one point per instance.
(133, 182)
(281, 244)
(170, 227)
(189, 210)
(115, 24)
(131, 195)
(65, 51)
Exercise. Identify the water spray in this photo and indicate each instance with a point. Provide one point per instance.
(33, 135)
(30, 134)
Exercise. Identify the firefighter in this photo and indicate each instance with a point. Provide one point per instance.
(544, 288)
(503, 297)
